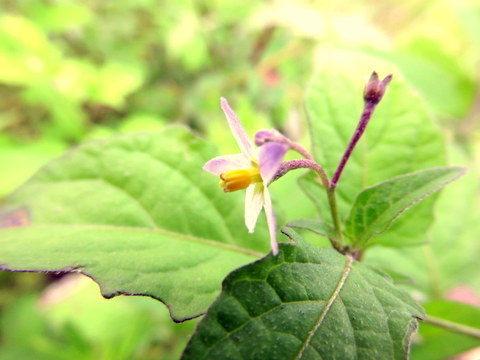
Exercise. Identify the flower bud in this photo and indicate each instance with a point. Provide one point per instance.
(264, 136)
(375, 89)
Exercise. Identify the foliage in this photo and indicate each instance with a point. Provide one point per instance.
(137, 214)
(161, 197)
(271, 310)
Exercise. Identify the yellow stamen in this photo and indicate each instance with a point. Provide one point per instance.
(239, 179)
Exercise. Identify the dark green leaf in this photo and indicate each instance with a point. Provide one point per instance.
(376, 207)
(306, 303)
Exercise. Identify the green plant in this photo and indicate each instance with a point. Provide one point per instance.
(137, 214)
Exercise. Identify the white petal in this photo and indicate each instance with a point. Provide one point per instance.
(238, 131)
(271, 221)
(220, 164)
(253, 205)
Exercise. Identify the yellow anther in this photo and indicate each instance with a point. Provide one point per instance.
(239, 179)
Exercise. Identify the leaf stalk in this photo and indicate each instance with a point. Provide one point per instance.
(453, 327)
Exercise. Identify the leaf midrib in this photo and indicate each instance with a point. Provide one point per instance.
(191, 238)
(171, 168)
(328, 305)
(366, 233)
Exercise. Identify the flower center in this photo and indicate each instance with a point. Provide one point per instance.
(239, 179)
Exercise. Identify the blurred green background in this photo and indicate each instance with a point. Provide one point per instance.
(76, 70)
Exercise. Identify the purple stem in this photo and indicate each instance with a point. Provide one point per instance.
(373, 93)
(286, 166)
(298, 148)
(362, 125)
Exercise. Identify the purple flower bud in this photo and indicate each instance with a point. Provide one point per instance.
(264, 136)
(375, 89)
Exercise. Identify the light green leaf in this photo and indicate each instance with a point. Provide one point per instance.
(436, 343)
(137, 214)
(376, 207)
(306, 303)
(401, 138)
(450, 258)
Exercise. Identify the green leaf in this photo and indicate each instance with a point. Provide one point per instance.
(436, 343)
(137, 214)
(401, 138)
(450, 258)
(314, 225)
(376, 207)
(308, 303)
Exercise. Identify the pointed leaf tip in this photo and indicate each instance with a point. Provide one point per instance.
(376, 207)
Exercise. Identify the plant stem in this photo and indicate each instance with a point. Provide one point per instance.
(302, 164)
(453, 327)
(311, 164)
(373, 93)
(299, 149)
(332, 201)
(362, 125)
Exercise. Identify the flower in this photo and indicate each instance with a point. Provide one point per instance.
(253, 169)
(264, 136)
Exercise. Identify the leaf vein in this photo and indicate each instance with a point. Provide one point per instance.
(186, 237)
(328, 305)
(176, 170)
(142, 206)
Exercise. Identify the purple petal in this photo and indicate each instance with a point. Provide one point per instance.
(271, 221)
(270, 158)
(263, 136)
(237, 129)
(220, 164)
(253, 205)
